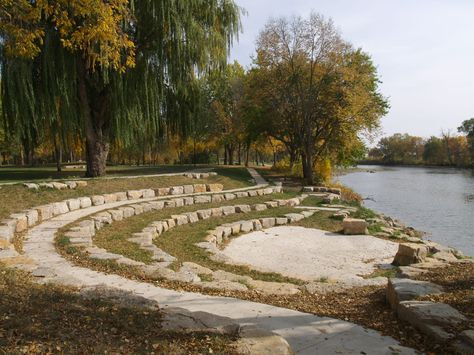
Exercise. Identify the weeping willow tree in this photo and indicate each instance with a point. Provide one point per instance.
(109, 70)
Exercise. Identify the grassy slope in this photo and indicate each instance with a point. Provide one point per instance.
(15, 198)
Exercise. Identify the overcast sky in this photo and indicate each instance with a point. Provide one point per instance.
(423, 49)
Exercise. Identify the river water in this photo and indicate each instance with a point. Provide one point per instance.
(439, 201)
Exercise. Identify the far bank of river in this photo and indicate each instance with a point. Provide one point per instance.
(439, 201)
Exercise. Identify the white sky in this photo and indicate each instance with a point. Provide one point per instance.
(423, 49)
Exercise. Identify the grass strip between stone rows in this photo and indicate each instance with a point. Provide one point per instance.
(16, 198)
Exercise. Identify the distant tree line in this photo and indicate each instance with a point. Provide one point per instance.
(447, 150)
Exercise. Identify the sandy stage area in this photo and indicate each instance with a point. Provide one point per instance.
(312, 254)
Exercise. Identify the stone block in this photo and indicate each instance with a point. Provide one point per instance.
(176, 190)
(134, 194)
(170, 203)
(138, 209)
(59, 185)
(235, 228)
(229, 196)
(293, 202)
(180, 219)
(6, 232)
(224, 231)
(171, 223)
(71, 184)
(121, 196)
(240, 194)
(204, 175)
(202, 199)
(199, 188)
(109, 198)
(188, 200)
(146, 207)
(21, 221)
(217, 198)
(308, 189)
(271, 204)
(204, 214)
(97, 200)
(278, 189)
(127, 211)
(399, 290)
(44, 212)
(228, 210)
(246, 226)
(148, 193)
(268, 190)
(214, 187)
(354, 226)
(242, 209)
(335, 191)
(267, 222)
(81, 183)
(85, 202)
(410, 253)
(433, 319)
(192, 217)
(32, 216)
(257, 225)
(162, 191)
(252, 193)
(259, 207)
(31, 186)
(216, 212)
(294, 217)
(73, 204)
(117, 215)
(157, 205)
(188, 189)
(166, 226)
(279, 221)
(60, 208)
(178, 202)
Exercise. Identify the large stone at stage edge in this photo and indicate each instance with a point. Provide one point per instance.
(433, 319)
(399, 290)
(354, 226)
(410, 253)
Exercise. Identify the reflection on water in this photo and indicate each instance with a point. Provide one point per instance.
(439, 201)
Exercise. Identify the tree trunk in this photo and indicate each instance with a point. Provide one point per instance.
(94, 107)
(239, 153)
(247, 155)
(230, 149)
(307, 160)
(225, 154)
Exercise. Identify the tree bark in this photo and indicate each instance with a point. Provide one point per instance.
(247, 155)
(307, 160)
(94, 105)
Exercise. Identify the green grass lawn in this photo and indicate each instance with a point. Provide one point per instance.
(15, 198)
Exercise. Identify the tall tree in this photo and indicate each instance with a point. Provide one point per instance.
(317, 92)
(108, 68)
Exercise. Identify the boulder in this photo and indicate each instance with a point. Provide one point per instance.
(354, 226)
(31, 186)
(32, 216)
(71, 184)
(109, 198)
(170, 203)
(178, 202)
(465, 342)
(399, 290)
(85, 202)
(121, 196)
(117, 215)
(81, 183)
(257, 225)
(59, 185)
(216, 212)
(279, 221)
(433, 319)
(293, 202)
(410, 253)
(229, 196)
(180, 219)
(204, 214)
(271, 204)
(189, 200)
(217, 198)
(252, 193)
(73, 204)
(157, 205)
(6, 233)
(192, 217)
(240, 194)
(21, 221)
(138, 209)
(235, 228)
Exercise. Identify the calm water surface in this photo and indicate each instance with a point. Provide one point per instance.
(439, 201)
